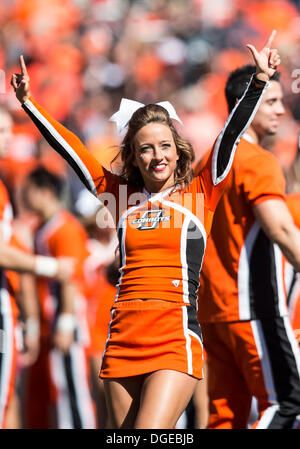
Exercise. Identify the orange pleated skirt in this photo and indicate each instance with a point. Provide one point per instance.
(146, 336)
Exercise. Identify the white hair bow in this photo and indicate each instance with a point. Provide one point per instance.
(128, 107)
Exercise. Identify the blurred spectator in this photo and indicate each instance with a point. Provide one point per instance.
(147, 50)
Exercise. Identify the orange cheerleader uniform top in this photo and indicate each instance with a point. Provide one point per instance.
(162, 237)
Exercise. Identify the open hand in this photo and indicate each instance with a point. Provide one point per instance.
(21, 82)
(267, 60)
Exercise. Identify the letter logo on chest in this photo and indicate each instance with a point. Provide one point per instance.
(150, 219)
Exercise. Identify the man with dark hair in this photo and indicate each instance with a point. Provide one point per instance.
(59, 380)
(251, 349)
(237, 82)
(43, 178)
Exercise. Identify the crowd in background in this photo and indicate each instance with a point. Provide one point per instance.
(85, 55)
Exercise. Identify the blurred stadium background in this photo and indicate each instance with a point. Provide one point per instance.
(83, 56)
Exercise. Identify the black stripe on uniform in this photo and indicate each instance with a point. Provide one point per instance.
(284, 371)
(193, 323)
(72, 396)
(291, 288)
(194, 257)
(58, 147)
(263, 291)
(121, 255)
(237, 123)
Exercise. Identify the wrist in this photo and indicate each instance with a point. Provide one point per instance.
(32, 327)
(22, 100)
(66, 323)
(261, 76)
(45, 266)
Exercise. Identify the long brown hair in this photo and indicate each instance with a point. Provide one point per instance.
(153, 113)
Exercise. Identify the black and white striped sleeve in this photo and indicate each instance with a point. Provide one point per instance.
(238, 121)
(89, 170)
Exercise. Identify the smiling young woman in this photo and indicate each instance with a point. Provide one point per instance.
(152, 137)
(156, 156)
(153, 356)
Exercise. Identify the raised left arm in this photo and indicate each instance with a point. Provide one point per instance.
(215, 167)
(266, 62)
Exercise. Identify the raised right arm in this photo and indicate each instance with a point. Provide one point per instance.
(95, 177)
(89, 170)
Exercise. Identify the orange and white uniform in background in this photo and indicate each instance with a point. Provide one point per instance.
(250, 346)
(8, 312)
(292, 278)
(56, 378)
(162, 240)
(99, 292)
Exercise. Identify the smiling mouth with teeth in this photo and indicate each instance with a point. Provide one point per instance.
(159, 167)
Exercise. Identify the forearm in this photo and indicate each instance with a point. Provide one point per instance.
(277, 223)
(66, 321)
(14, 259)
(238, 121)
(68, 295)
(288, 239)
(28, 302)
(28, 296)
(68, 145)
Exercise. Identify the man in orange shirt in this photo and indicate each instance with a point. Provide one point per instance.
(58, 392)
(251, 349)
